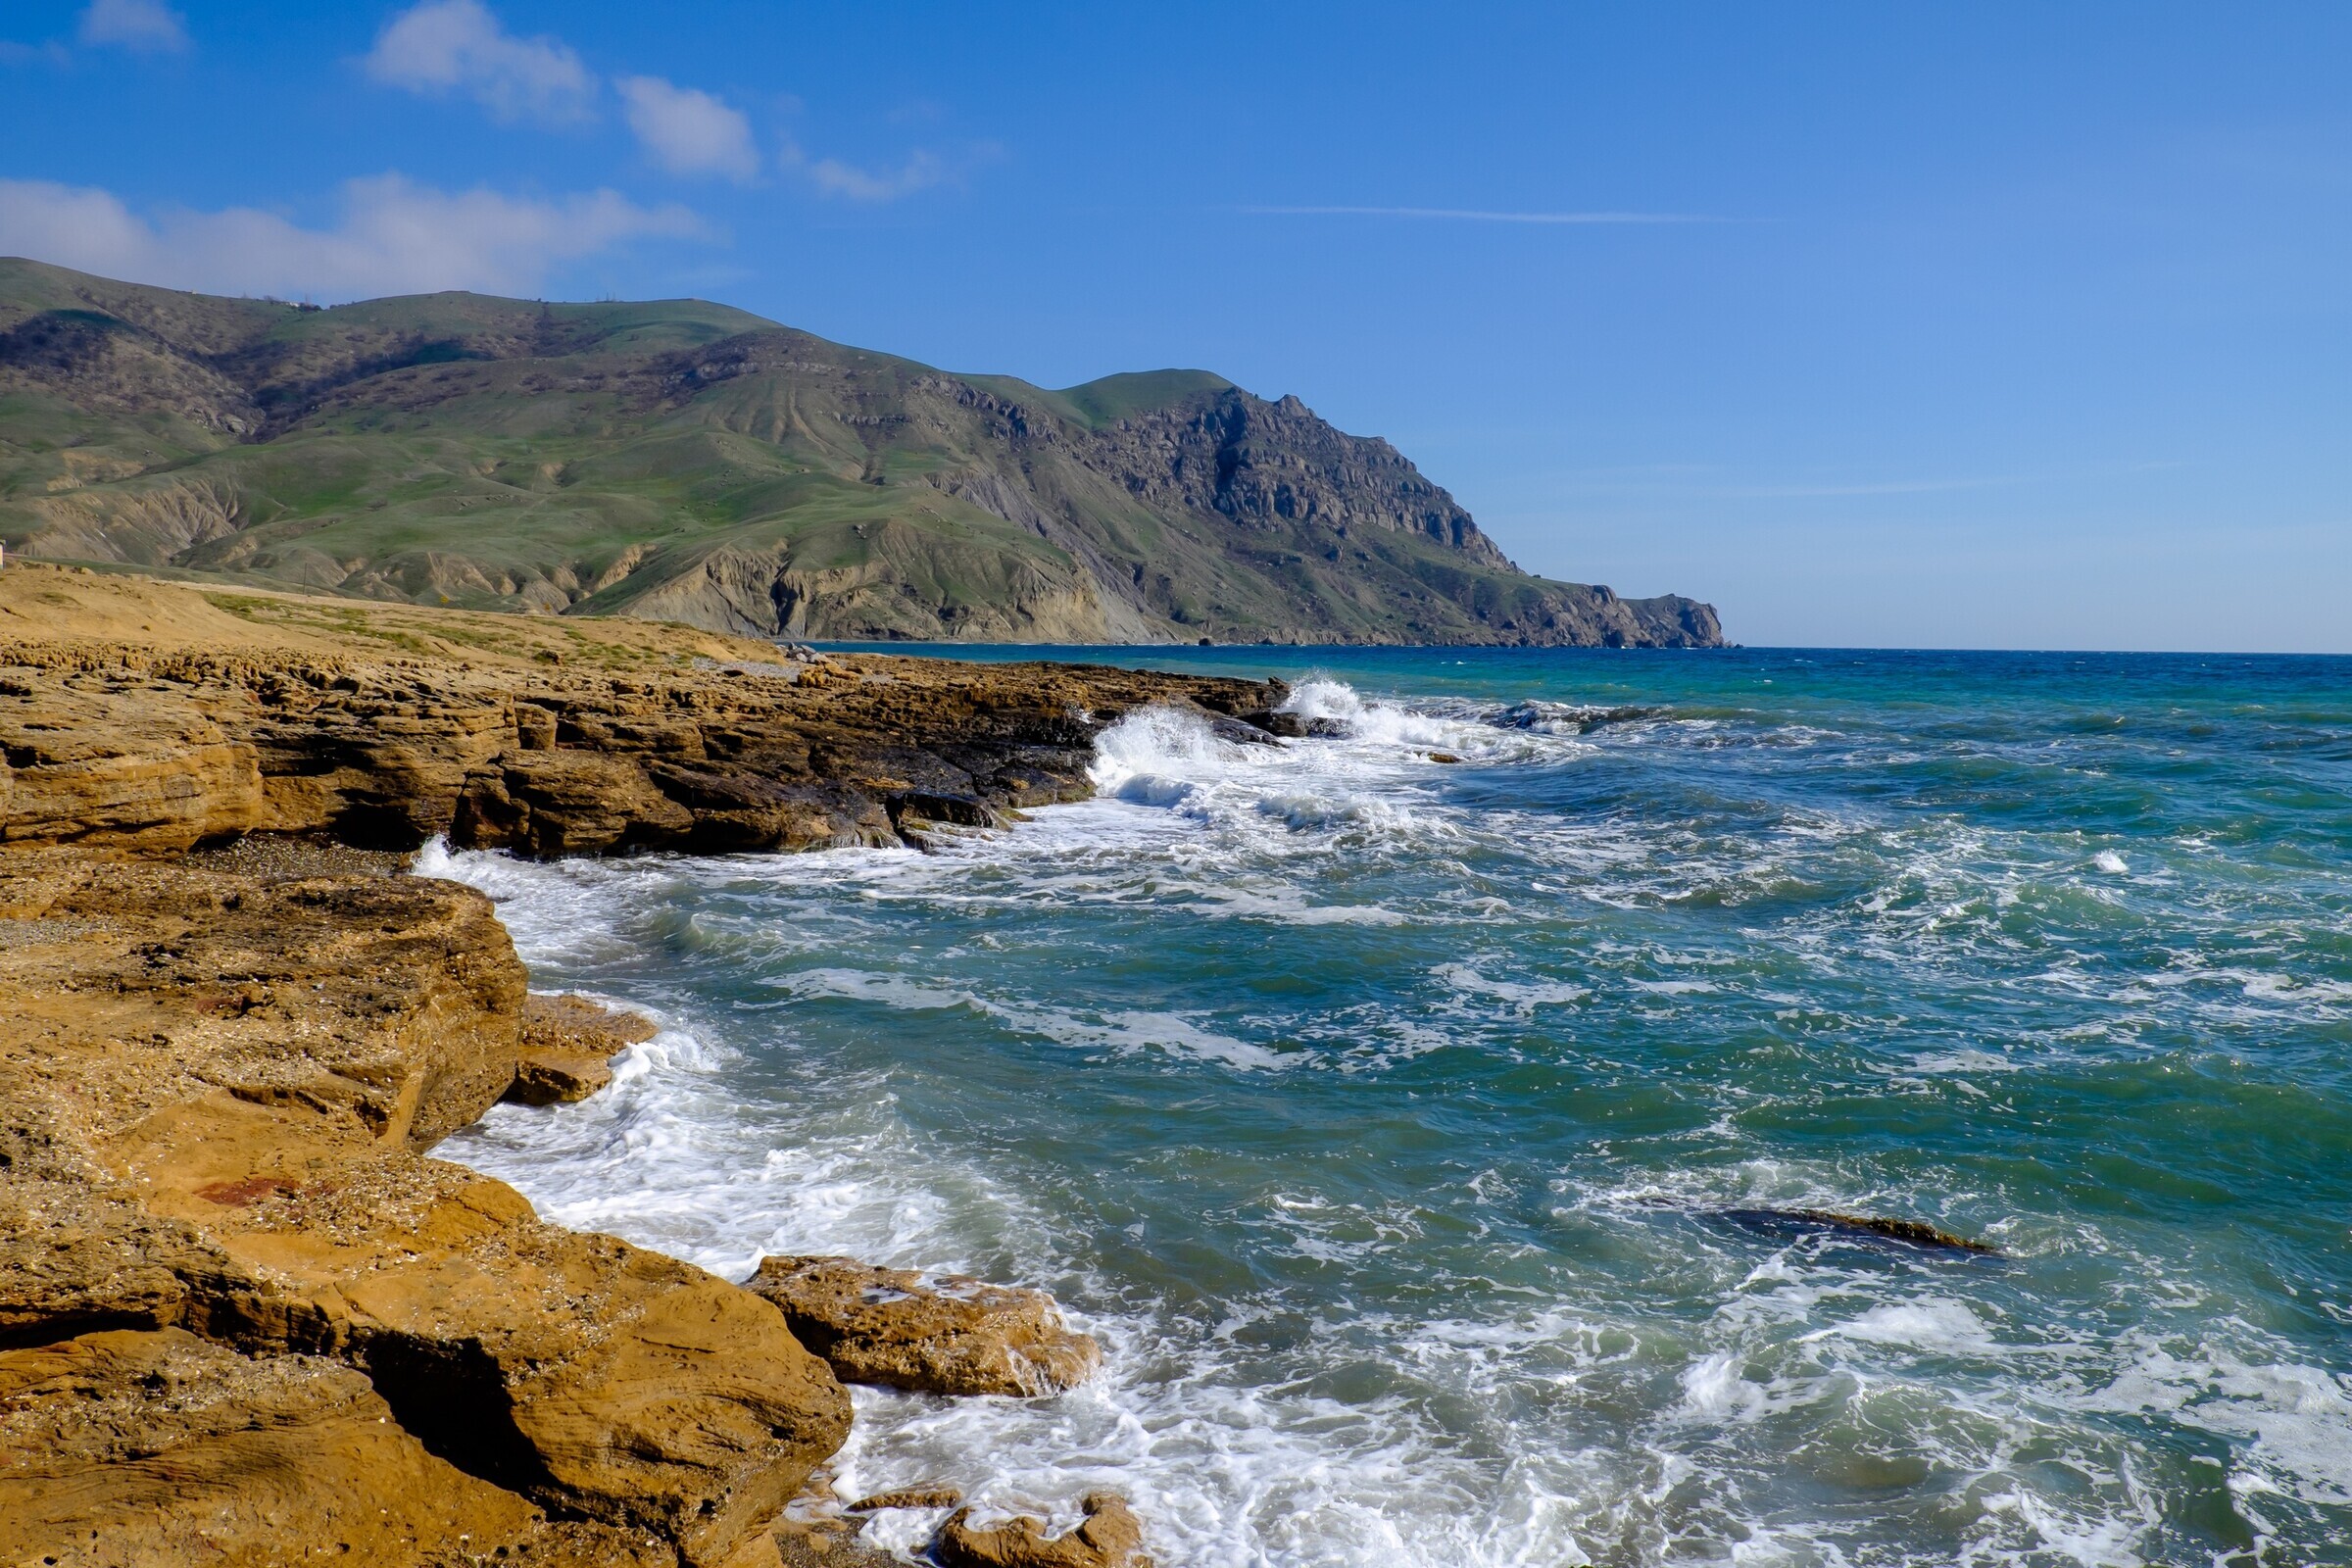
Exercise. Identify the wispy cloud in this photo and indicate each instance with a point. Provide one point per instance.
(51, 53)
(394, 237)
(1884, 487)
(919, 170)
(1700, 481)
(459, 45)
(1472, 215)
(689, 132)
(147, 26)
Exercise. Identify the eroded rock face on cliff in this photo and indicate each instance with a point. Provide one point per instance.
(946, 1334)
(154, 749)
(126, 1446)
(212, 1089)
(244, 1316)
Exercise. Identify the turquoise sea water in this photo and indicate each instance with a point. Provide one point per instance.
(1382, 1115)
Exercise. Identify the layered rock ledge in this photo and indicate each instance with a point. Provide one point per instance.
(244, 1317)
(172, 719)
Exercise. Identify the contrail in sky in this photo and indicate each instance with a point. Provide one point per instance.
(1476, 216)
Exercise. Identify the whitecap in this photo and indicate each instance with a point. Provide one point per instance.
(1929, 1323)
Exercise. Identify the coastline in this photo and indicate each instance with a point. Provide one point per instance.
(228, 1062)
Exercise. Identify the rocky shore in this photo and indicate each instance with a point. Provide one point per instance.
(243, 1317)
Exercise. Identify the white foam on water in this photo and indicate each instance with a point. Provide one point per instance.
(1932, 1323)
(1548, 1419)
(1115, 1030)
(1523, 997)
(1375, 722)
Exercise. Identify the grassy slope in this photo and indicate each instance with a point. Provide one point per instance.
(498, 454)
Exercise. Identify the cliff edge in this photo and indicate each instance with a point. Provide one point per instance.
(686, 461)
(244, 1316)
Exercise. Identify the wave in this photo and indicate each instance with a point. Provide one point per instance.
(1370, 1109)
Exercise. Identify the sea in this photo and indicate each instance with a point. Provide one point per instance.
(1419, 1113)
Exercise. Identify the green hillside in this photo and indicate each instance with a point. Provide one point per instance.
(686, 461)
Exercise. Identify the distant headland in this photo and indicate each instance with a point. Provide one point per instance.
(688, 461)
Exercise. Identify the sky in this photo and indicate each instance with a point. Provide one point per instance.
(1997, 325)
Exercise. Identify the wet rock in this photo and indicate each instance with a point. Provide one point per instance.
(955, 811)
(559, 1078)
(1291, 726)
(948, 1336)
(567, 1046)
(824, 1543)
(1240, 732)
(908, 1498)
(1274, 721)
(1911, 1232)
(1109, 1536)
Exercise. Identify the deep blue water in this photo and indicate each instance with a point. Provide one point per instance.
(1386, 1116)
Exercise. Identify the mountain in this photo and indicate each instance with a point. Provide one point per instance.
(688, 461)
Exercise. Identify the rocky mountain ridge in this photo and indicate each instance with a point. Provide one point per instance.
(683, 461)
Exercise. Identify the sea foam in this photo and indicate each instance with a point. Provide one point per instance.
(1378, 1115)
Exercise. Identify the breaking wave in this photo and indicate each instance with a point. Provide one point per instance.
(1378, 1112)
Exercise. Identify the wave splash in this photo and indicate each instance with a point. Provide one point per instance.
(1335, 1086)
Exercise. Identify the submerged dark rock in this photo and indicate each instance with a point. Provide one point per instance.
(1240, 732)
(1910, 1231)
(1556, 718)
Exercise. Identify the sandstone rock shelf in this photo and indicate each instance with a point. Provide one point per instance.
(244, 1316)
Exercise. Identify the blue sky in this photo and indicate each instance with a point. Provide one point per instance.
(1987, 324)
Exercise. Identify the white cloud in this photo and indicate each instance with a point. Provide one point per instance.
(147, 25)
(459, 45)
(688, 133)
(833, 177)
(395, 237)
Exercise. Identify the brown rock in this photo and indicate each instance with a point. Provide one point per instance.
(217, 1075)
(110, 765)
(146, 719)
(133, 1446)
(567, 1046)
(1109, 1536)
(908, 1498)
(211, 1088)
(387, 1006)
(948, 1336)
(824, 1543)
(579, 1023)
(559, 1077)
